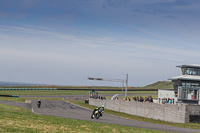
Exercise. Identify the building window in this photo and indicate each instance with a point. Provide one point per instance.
(183, 70)
(183, 84)
(190, 71)
(184, 94)
(190, 84)
(195, 72)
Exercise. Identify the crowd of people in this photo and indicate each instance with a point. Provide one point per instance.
(141, 99)
(99, 97)
(167, 100)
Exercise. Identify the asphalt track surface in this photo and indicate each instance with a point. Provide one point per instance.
(69, 110)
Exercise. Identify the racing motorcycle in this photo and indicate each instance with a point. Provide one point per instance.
(96, 114)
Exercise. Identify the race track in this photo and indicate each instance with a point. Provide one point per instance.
(69, 110)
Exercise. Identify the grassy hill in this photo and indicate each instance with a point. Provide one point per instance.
(160, 85)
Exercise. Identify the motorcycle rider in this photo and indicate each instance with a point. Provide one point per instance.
(39, 103)
(101, 109)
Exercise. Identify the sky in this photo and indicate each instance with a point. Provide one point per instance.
(63, 42)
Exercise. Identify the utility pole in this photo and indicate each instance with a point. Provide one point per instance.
(111, 80)
(126, 86)
(122, 88)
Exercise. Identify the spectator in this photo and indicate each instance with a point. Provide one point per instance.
(134, 99)
(129, 99)
(150, 99)
(145, 99)
(137, 99)
(170, 101)
(141, 99)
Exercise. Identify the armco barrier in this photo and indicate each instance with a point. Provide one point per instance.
(17, 89)
(9, 96)
(179, 113)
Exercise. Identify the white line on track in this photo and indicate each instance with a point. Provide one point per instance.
(32, 109)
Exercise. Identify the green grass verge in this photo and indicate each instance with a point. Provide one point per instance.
(138, 118)
(22, 99)
(16, 119)
(68, 92)
(14, 99)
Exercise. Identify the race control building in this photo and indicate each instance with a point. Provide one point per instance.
(187, 86)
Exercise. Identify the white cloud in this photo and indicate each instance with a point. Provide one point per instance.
(82, 56)
(93, 45)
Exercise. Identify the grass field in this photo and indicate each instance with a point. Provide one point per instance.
(16, 119)
(22, 99)
(138, 118)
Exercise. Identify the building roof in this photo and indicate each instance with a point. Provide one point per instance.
(190, 65)
(186, 77)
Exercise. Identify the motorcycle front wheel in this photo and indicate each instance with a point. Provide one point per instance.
(98, 115)
(92, 116)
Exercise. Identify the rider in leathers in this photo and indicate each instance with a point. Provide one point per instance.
(101, 109)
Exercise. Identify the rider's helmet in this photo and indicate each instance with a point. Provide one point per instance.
(102, 106)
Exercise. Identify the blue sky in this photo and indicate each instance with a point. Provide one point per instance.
(63, 42)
